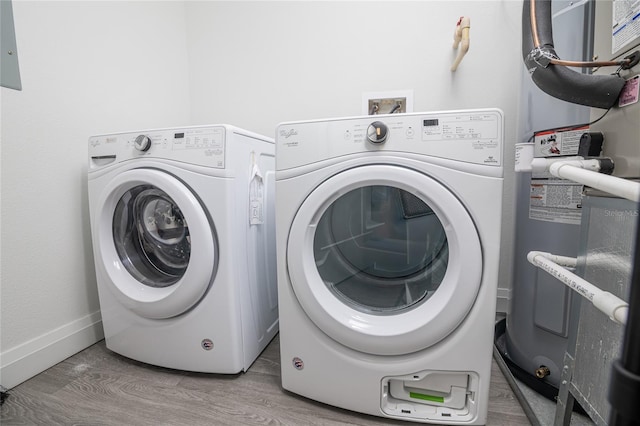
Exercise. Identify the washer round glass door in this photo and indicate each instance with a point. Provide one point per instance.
(157, 244)
(384, 259)
(151, 236)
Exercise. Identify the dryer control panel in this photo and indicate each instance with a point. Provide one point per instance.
(470, 136)
(203, 146)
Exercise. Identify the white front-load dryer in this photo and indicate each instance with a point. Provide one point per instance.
(388, 232)
(183, 235)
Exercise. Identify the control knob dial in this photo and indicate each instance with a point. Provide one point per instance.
(377, 132)
(142, 143)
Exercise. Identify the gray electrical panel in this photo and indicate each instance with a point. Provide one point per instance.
(9, 70)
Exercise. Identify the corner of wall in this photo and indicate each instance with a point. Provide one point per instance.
(22, 362)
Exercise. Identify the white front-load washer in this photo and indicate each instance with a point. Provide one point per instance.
(388, 232)
(183, 235)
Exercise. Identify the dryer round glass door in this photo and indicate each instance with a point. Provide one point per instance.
(384, 259)
(157, 244)
(380, 249)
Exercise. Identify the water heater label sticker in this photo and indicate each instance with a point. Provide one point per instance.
(552, 143)
(629, 94)
(625, 27)
(556, 201)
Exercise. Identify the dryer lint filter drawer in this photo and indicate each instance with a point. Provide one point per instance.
(441, 389)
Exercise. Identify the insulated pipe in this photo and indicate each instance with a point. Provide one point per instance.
(461, 37)
(599, 91)
(612, 306)
(573, 170)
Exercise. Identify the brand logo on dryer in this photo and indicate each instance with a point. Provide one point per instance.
(288, 133)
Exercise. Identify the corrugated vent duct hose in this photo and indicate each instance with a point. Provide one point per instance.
(599, 91)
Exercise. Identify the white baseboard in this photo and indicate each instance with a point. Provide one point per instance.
(36, 355)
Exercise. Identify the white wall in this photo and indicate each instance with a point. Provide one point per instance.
(255, 64)
(94, 67)
(258, 63)
(86, 68)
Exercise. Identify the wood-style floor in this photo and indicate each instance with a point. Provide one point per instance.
(99, 387)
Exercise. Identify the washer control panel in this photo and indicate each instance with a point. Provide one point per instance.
(194, 145)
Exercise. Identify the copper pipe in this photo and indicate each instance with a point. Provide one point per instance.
(578, 64)
(534, 25)
(581, 64)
